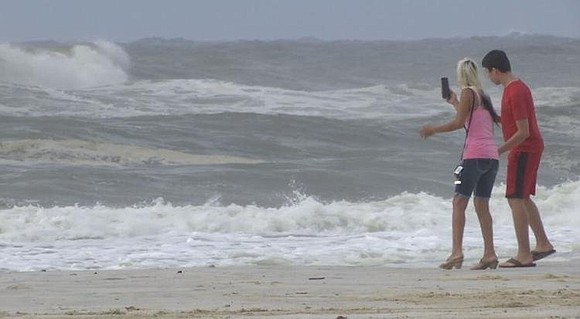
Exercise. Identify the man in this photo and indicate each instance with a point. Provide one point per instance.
(524, 142)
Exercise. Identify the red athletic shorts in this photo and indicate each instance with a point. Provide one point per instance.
(522, 174)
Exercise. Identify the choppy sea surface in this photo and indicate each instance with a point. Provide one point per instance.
(171, 153)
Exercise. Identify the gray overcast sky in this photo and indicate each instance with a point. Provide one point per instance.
(218, 20)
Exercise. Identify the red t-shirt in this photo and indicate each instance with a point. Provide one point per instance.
(517, 104)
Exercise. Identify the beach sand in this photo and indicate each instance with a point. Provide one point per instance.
(551, 290)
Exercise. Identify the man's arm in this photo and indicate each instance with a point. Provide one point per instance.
(521, 135)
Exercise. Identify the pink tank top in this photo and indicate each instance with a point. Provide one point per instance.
(480, 141)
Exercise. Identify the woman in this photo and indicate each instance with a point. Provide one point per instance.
(475, 113)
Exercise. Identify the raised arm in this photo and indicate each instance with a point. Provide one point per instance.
(462, 107)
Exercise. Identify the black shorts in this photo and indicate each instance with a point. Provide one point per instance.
(478, 177)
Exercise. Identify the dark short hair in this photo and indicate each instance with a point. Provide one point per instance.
(496, 59)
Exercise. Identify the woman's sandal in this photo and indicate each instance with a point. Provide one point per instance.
(456, 263)
(484, 265)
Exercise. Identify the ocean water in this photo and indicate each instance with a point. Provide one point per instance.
(171, 153)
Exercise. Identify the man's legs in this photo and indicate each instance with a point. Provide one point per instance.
(535, 221)
(520, 217)
(520, 184)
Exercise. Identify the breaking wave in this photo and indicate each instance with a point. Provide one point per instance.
(81, 66)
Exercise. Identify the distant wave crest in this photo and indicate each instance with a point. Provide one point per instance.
(81, 66)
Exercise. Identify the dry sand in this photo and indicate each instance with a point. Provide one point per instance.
(551, 290)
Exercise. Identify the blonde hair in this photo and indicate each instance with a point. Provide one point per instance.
(467, 78)
(467, 74)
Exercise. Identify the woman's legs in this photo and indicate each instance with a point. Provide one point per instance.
(479, 176)
(486, 224)
(458, 225)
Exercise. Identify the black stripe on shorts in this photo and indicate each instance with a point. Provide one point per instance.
(520, 175)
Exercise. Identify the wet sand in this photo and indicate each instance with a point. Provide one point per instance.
(551, 290)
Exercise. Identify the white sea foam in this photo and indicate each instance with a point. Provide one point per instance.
(206, 96)
(556, 96)
(212, 96)
(400, 101)
(82, 66)
(408, 228)
(78, 152)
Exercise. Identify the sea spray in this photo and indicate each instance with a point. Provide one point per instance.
(80, 66)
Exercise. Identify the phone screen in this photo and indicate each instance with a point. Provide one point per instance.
(445, 91)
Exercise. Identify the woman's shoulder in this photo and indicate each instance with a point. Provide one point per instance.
(469, 92)
(472, 89)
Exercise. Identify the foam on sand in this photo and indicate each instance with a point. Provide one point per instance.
(79, 152)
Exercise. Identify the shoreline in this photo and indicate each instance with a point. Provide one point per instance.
(550, 290)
